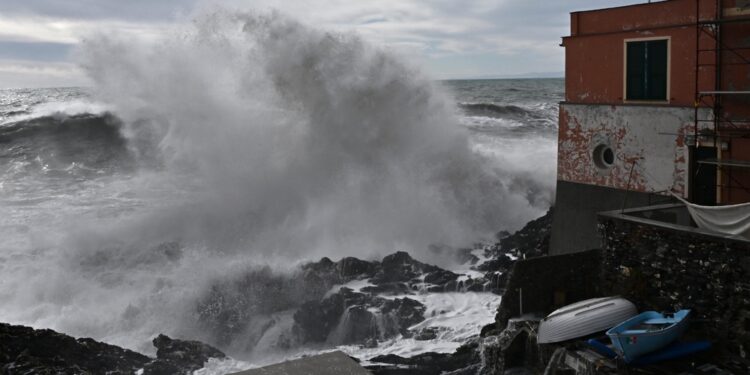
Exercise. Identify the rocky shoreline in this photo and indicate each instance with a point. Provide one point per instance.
(370, 317)
(24, 350)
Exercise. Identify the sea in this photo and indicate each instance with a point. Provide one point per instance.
(221, 149)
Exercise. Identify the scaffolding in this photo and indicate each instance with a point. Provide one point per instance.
(715, 127)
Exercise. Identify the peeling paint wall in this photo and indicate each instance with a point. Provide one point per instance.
(648, 143)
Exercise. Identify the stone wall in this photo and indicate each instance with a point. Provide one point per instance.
(548, 283)
(665, 267)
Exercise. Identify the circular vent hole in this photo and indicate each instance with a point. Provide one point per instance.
(604, 156)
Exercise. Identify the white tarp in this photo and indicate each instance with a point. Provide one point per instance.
(733, 219)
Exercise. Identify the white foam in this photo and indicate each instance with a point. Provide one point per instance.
(457, 316)
(216, 366)
(355, 285)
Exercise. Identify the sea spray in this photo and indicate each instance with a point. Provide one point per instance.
(256, 140)
(303, 141)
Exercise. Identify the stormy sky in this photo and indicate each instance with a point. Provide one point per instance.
(451, 39)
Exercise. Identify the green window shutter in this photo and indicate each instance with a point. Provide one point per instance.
(657, 70)
(636, 83)
(646, 74)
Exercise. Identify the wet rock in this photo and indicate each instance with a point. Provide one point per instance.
(401, 267)
(440, 277)
(348, 317)
(501, 263)
(358, 325)
(533, 239)
(429, 333)
(395, 288)
(180, 356)
(465, 360)
(234, 305)
(230, 306)
(315, 320)
(24, 350)
(161, 368)
(405, 312)
(351, 268)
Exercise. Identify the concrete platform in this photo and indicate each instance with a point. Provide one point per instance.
(333, 363)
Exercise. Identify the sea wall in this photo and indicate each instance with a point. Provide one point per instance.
(535, 287)
(549, 282)
(664, 267)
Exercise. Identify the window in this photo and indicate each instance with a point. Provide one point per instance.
(646, 69)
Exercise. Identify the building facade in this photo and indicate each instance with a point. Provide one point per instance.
(657, 102)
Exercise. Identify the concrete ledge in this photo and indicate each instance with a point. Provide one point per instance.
(333, 363)
(628, 215)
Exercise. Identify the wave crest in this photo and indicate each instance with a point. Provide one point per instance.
(88, 142)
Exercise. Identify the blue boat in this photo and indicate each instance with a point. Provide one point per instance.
(646, 333)
(672, 351)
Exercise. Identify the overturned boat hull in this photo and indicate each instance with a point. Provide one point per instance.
(584, 318)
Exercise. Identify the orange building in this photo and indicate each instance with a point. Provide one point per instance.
(657, 102)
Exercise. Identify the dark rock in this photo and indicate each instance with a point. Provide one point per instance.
(394, 288)
(429, 333)
(489, 330)
(401, 267)
(180, 356)
(405, 312)
(24, 350)
(440, 277)
(351, 268)
(501, 263)
(315, 320)
(348, 317)
(161, 368)
(531, 241)
(233, 305)
(464, 360)
(230, 305)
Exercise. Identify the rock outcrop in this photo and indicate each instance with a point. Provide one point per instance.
(24, 350)
(324, 314)
(349, 317)
(179, 356)
(464, 361)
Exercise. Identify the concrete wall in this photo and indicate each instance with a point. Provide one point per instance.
(665, 267)
(548, 283)
(574, 221)
(652, 137)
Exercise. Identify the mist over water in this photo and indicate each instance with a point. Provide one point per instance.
(242, 140)
(300, 140)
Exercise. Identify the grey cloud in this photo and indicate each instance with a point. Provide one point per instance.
(141, 10)
(35, 51)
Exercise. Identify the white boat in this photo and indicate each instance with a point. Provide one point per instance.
(584, 318)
